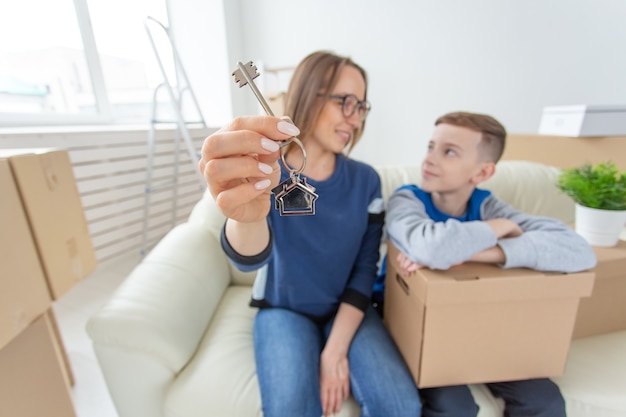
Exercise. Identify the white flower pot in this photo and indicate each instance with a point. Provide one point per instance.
(600, 227)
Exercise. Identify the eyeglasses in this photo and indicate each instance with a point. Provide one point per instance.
(350, 104)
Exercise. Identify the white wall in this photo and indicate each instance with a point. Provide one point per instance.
(199, 32)
(425, 58)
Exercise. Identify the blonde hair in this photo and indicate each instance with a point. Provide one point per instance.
(313, 79)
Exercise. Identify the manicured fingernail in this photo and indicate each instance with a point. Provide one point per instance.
(262, 185)
(266, 169)
(288, 128)
(270, 145)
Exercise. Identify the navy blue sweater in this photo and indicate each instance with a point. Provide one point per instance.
(315, 262)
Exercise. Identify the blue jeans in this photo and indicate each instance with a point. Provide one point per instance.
(287, 348)
(528, 398)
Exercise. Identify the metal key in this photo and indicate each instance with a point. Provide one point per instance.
(293, 196)
(245, 74)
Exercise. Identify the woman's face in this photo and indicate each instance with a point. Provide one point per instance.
(333, 131)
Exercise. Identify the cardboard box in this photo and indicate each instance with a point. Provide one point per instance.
(479, 323)
(31, 376)
(583, 120)
(605, 310)
(565, 152)
(50, 198)
(24, 293)
(64, 359)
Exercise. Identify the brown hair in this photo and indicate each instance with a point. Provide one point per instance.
(314, 77)
(493, 133)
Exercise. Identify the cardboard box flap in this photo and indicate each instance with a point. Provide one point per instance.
(11, 152)
(23, 290)
(31, 376)
(489, 283)
(51, 200)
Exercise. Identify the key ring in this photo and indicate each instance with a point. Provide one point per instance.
(283, 145)
(292, 197)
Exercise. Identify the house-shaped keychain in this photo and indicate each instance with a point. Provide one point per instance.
(294, 197)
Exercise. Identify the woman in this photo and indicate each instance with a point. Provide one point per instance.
(316, 337)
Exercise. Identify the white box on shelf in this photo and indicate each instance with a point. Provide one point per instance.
(583, 120)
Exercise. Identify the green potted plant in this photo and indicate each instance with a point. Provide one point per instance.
(599, 192)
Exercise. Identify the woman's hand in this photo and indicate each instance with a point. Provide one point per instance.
(240, 164)
(334, 382)
(334, 366)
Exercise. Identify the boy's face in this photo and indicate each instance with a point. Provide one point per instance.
(453, 161)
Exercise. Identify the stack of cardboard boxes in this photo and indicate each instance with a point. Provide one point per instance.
(45, 248)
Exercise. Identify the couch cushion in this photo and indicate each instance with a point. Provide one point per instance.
(221, 378)
(531, 187)
(527, 186)
(392, 177)
(594, 382)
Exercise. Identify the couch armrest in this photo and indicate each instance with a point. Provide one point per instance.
(164, 306)
(137, 383)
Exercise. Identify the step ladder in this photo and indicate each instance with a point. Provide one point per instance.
(176, 90)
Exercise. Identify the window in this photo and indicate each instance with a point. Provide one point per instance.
(54, 69)
(129, 67)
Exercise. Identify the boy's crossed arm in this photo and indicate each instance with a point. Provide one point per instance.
(441, 244)
(503, 228)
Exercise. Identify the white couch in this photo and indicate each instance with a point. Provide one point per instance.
(176, 338)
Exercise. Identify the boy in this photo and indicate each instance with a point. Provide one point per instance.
(447, 221)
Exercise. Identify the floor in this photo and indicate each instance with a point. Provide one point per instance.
(91, 398)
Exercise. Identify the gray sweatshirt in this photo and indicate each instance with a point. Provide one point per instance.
(438, 241)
